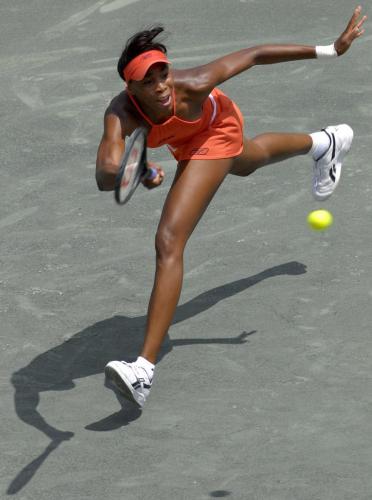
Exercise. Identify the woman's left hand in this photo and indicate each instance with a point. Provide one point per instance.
(157, 180)
(353, 30)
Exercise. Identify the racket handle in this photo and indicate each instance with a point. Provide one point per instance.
(151, 173)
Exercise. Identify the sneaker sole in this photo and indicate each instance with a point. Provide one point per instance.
(121, 383)
(343, 152)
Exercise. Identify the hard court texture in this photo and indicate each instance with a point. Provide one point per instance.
(263, 387)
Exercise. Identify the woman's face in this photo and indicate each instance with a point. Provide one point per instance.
(155, 91)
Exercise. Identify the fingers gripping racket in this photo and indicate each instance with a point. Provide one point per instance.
(133, 167)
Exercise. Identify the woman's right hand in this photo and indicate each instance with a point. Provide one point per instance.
(153, 182)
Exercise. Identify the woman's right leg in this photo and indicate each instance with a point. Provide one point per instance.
(194, 186)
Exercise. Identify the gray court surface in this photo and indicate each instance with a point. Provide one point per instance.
(263, 387)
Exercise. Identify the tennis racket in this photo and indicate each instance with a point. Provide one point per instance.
(133, 168)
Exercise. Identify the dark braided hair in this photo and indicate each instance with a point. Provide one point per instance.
(139, 43)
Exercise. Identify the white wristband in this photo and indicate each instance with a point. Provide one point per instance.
(326, 51)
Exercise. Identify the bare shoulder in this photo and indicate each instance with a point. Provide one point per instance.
(191, 84)
(121, 113)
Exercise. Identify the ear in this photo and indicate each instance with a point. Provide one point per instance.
(129, 88)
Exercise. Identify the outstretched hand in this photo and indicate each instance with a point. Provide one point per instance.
(353, 30)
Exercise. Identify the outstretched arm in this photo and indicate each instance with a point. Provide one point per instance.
(208, 76)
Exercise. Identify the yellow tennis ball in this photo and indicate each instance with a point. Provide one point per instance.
(319, 219)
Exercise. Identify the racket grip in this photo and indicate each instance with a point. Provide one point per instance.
(151, 173)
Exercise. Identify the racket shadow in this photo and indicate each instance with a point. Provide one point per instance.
(88, 351)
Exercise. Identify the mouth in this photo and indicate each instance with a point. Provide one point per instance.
(165, 101)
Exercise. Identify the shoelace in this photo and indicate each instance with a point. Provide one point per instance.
(139, 372)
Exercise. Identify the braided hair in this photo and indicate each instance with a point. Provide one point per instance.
(137, 44)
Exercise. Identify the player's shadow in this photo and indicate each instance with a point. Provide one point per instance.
(87, 353)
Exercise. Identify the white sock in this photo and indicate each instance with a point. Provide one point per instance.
(321, 143)
(149, 367)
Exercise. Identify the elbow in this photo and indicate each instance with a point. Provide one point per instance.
(105, 177)
(99, 181)
(257, 55)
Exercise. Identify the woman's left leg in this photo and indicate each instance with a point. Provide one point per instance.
(269, 148)
(327, 147)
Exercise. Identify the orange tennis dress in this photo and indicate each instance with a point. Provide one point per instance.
(218, 133)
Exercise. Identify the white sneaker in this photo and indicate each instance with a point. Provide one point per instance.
(132, 380)
(327, 168)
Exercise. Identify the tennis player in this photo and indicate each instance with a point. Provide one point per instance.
(203, 129)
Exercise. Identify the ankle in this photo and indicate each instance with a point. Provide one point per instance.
(146, 364)
(321, 143)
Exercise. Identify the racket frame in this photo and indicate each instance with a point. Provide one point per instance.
(141, 172)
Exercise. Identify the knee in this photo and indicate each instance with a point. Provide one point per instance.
(242, 169)
(247, 164)
(262, 155)
(168, 244)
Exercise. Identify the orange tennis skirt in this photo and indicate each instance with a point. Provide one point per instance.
(222, 135)
(218, 133)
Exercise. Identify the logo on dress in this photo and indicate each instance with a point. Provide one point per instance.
(199, 151)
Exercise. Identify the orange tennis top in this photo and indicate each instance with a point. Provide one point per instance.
(218, 133)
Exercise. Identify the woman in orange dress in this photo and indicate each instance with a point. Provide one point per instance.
(203, 129)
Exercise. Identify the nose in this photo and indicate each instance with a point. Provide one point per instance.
(160, 89)
(161, 86)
